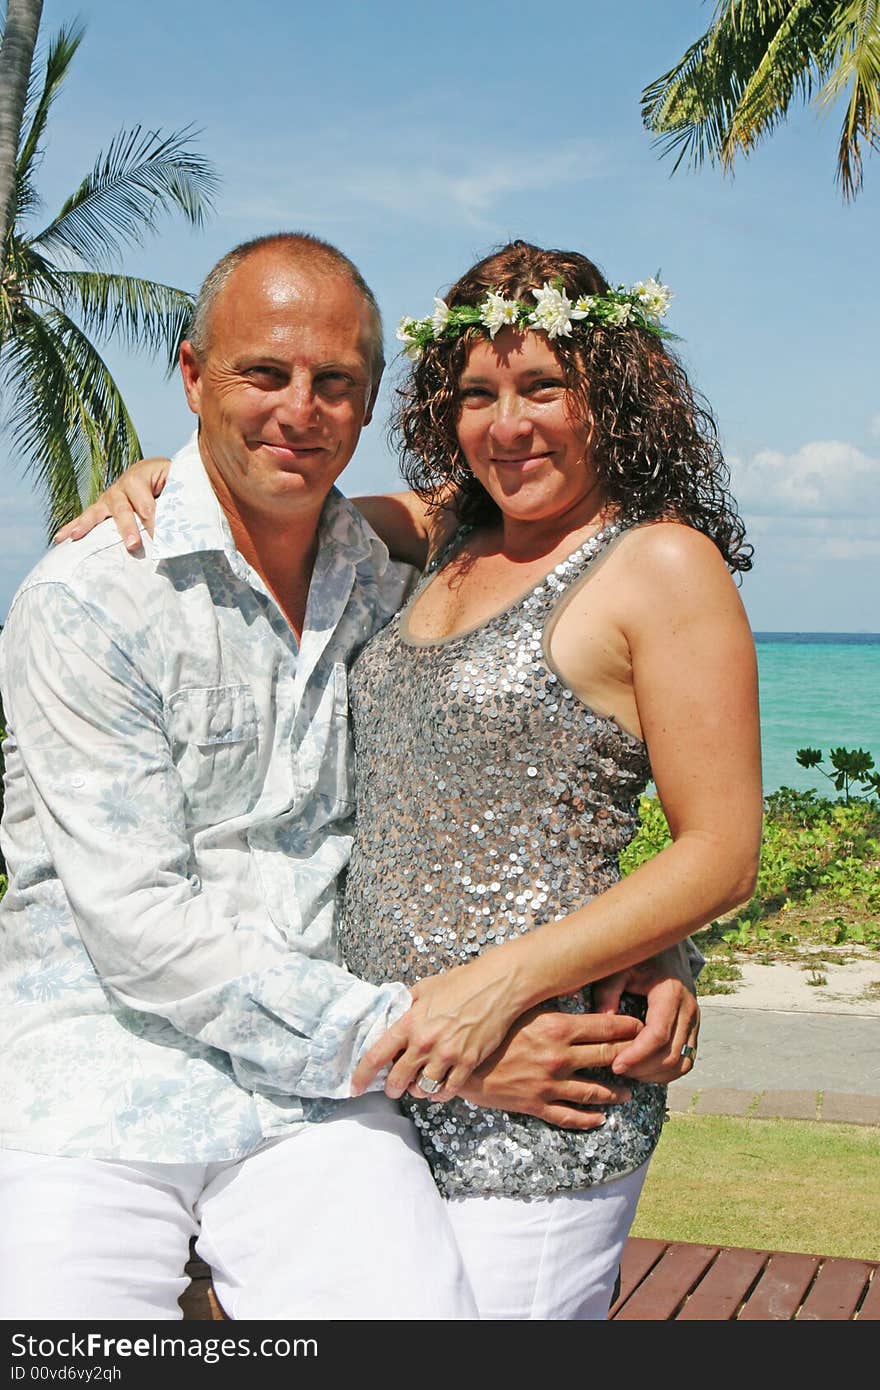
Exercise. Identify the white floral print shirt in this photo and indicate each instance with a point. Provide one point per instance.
(178, 809)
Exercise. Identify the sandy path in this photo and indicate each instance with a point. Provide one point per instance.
(852, 987)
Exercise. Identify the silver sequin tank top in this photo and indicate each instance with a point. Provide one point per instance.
(490, 800)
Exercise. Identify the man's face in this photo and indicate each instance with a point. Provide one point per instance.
(284, 387)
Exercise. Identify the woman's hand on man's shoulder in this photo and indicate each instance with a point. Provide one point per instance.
(133, 495)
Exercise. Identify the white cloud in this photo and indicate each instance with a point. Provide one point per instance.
(805, 548)
(423, 174)
(474, 191)
(815, 528)
(825, 479)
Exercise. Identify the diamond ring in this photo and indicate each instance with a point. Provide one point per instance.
(428, 1084)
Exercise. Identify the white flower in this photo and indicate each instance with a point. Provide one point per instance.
(411, 346)
(618, 315)
(653, 297)
(440, 316)
(583, 307)
(497, 312)
(553, 312)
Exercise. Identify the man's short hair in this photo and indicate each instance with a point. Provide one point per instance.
(304, 249)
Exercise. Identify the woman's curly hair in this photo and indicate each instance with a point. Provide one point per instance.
(654, 441)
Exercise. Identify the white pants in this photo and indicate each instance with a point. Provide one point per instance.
(548, 1258)
(339, 1221)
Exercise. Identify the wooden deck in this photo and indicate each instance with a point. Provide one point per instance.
(709, 1283)
(662, 1280)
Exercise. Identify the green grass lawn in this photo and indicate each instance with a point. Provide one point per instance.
(765, 1184)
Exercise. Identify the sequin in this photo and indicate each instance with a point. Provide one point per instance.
(479, 708)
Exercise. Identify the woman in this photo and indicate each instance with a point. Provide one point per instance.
(577, 633)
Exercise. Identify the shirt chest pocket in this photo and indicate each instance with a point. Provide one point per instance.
(214, 744)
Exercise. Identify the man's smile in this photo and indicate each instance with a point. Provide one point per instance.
(291, 453)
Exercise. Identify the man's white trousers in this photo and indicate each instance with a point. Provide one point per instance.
(340, 1220)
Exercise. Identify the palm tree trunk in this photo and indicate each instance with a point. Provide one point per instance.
(16, 56)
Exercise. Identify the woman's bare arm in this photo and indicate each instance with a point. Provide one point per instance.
(410, 529)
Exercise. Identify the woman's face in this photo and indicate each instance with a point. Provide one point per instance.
(518, 433)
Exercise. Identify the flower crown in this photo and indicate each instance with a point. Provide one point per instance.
(643, 304)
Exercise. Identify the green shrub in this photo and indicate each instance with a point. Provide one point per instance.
(718, 977)
(653, 835)
(818, 878)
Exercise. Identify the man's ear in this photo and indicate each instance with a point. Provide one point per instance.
(371, 402)
(191, 369)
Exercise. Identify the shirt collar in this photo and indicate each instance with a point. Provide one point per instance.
(343, 528)
(189, 519)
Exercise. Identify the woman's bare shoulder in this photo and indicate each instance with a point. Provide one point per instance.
(670, 568)
(671, 544)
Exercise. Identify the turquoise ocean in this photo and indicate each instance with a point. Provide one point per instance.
(817, 690)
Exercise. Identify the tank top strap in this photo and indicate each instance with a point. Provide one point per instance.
(443, 556)
(446, 551)
(571, 571)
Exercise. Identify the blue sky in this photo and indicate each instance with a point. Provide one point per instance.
(417, 136)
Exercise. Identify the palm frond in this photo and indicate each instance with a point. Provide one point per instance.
(144, 315)
(143, 175)
(30, 272)
(62, 49)
(35, 389)
(27, 199)
(67, 418)
(790, 66)
(28, 278)
(65, 415)
(852, 58)
(684, 110)
(735, 82)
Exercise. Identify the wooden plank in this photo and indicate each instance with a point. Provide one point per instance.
(199, 1301)
(836, 1292)
(661, 1293)
(639, 1256)
(781, 1288)
(724, 1287)
(870, 1309)
(196, 1300)
(217, 1313)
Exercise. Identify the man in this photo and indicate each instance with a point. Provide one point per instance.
(177, 1034)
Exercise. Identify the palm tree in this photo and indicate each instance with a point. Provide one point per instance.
(61, 289)
(16, 57)
(736, 83)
